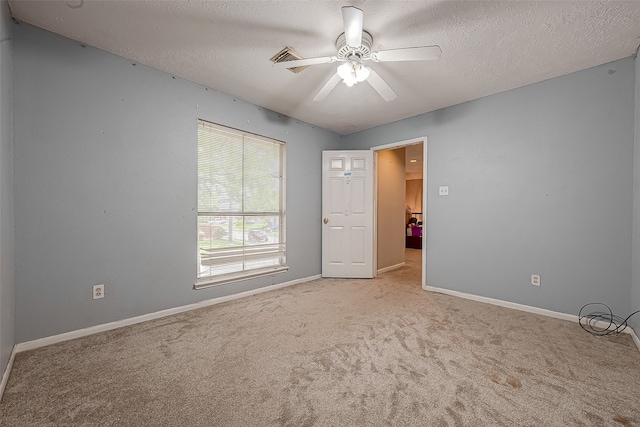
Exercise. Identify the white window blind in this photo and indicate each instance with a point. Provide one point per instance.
(241, 200)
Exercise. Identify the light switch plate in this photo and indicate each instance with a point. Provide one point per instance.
(443, 190)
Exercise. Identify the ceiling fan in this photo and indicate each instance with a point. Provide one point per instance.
(354, 47)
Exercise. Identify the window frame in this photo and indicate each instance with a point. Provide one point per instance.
(243, 251)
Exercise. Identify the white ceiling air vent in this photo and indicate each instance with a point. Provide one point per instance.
(288, 54)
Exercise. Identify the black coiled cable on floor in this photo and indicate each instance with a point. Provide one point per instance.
(601, 323)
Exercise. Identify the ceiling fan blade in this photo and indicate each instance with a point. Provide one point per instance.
(306, 62)
(420, 53)
(381, 86)
(328, 87)
(352, 17)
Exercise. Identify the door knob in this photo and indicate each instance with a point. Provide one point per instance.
(326, 220)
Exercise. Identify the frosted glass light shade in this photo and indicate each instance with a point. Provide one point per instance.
(344, 71)
(352, 72)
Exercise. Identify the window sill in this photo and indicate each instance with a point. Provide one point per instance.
(208, 282)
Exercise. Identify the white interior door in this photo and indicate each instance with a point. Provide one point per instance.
(347, 214)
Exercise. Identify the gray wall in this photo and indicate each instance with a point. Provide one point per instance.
(105, 185)
(635, 291)
(391, 185)
(540, 181)
(6, 191)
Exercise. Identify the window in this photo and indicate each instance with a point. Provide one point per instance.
(241, 218)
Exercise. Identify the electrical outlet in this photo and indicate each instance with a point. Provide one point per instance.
(98, 291)
(443, 191)
(535, 279)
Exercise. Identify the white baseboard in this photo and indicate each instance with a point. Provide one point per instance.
(527, 308)
(392, 267)
(41, 342)
(7, 372)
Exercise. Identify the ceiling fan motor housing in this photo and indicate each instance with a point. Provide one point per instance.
(345, 51)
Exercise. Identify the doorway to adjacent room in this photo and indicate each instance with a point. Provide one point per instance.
(400, 206)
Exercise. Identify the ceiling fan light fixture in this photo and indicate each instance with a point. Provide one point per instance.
(353, 48)
(344, 70)
(353, 72)
(362, 73)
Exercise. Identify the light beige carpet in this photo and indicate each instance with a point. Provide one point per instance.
(333, 353)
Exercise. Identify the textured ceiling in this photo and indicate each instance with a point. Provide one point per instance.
(487, 47)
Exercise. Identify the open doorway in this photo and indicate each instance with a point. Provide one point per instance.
(414, 216)
(400, 206)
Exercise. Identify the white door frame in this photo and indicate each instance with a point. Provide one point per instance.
(391, 146)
